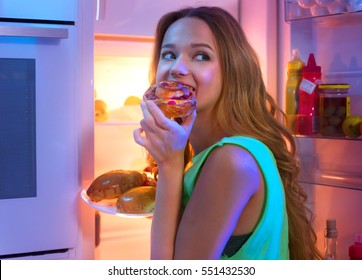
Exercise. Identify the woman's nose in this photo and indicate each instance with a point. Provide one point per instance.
(179, 67)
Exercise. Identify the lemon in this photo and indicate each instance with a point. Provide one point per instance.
(351, 126)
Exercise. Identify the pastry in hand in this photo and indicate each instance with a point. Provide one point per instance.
(175, 99)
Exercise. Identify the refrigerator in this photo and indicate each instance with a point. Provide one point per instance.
(331, 167)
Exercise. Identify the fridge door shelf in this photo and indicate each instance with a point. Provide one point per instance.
(294, 11)
(330, 162)
(116, 123)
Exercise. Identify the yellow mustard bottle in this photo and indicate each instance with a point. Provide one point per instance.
(294, 77)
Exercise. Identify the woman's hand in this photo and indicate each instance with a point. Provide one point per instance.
(161, 137)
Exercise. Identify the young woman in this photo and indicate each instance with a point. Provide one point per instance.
(227, 178)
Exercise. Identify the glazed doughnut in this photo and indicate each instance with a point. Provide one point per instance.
(173, 98)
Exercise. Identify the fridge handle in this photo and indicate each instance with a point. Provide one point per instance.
(38, 32)
(101, 10)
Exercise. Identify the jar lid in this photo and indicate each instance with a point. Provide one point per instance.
(334, 86)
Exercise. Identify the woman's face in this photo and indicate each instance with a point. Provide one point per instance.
(189, 55)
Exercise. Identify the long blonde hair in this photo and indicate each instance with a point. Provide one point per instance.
(245, 106)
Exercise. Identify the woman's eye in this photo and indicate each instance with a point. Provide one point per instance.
(202, 57)
(168, 55)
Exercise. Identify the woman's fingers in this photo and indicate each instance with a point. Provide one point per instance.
(139, 137)
(158, 116)
(188, 122)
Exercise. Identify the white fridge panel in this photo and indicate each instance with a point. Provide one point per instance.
(139, 17)
(39, 9)
(48, 218)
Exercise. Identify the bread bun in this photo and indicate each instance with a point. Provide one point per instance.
(139, 200)
(114, 183)
(173, 98)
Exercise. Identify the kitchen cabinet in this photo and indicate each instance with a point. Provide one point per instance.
(139, 17)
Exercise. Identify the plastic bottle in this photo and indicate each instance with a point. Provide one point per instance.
(330, 240)
(308, 107)
(294, 77)
(355, 251)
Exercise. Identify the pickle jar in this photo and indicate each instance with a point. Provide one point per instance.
(334, 107)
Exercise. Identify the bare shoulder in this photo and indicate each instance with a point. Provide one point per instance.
(226, 200)
(236, 165)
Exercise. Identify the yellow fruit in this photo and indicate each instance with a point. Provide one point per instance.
(351, 126)
(132, 101)
(100, 110)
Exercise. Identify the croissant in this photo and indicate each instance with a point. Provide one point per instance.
(139, 200)
(113, 184)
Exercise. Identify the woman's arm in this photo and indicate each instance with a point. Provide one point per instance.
(165, 140)
(167, 210)
(227, 199)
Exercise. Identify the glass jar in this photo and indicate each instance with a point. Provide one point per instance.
(334, 107)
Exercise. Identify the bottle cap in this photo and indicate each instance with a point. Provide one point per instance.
(331, 230)
(311, 65)
(296, 64)
(295, 54)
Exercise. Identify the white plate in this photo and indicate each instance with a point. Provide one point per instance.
(109, 206)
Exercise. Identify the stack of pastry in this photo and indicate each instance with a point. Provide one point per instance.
(133, 191)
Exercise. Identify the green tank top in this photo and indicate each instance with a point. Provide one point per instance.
(269, 239)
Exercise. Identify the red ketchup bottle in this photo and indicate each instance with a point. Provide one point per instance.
(308, 111)
(355, 251)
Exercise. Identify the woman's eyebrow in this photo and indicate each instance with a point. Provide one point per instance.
(196, 45)
(193, 45)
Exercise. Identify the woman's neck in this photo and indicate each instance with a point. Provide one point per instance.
(204, 134)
